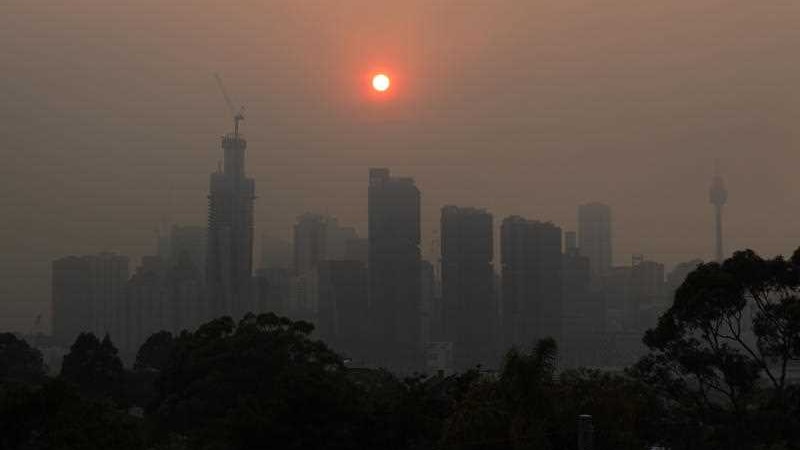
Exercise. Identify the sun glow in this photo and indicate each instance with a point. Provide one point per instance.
(380, 82)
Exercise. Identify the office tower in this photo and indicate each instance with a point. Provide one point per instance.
(186, 288)
(718, 196)
(634, 294)
(357, 249)
(467, 249)
(394, 265)
(647, 292)
(532, 279)
(146, 307)
(594, 237)
(87, 292)
(570, 243)
(343, 302)
(191, 241)
(273, 290)
(429, 317)
(310, 233)
(276, 253)
(583, 313)
(319, 237)
(230, 231)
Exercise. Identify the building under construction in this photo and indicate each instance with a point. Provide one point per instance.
(230, 229)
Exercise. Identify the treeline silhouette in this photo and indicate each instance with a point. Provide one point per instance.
(719, 375)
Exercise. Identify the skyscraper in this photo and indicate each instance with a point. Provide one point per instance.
(343, 303)
(718, 196)
(188, 240)
(309, 242)
(594, 237)
(230, 230)
(467, 250)
(532, 280)
(394, 266)
(147, 307)
(319, 237)
(87, 294)
(276, 253)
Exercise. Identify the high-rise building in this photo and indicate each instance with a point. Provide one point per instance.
(273, 291)
(191, 241)
(229, 255)
(317, 238)
(583, 312)
(532, 280)
(310, 234)
(647, 291)
(357, 249)
(594, 237)
(718, 196)
(146, 309)
(343, 302)
(276, 253)
(187, 307)
(87, 294)
(430, 313)
(467, 249)
(570, 243)
(394, 265)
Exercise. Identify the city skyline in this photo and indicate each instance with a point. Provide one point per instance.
(111, 119)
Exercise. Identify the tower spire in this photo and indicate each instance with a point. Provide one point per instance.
(718, 196)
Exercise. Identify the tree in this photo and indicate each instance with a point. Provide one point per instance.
(516, 411)
(624, 410)
(154, 353)
(720, 355)
(94, 367)
(19, 362)
(261, 382)
(55, 415)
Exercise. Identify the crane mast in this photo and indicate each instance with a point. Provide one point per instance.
(238, 116)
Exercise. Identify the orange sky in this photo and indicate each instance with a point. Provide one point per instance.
(523, 107)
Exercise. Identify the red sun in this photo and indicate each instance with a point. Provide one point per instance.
(381, 82)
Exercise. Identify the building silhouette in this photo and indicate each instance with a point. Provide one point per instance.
(87, 293)
(319, 237)
(273, 290)
(532, 280)
(189, 241)
(583, 312)
(229, 254)
(594, 237)
(467, 250)
(647, 291)
(394, 265)
(276, 253)
(718, 196)
(146, 308)
(343, 301)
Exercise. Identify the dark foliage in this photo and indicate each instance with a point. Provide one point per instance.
(263, 380)
(154, 354)
(720, 355)
(94, 367)
(55, 416)
(19, 362)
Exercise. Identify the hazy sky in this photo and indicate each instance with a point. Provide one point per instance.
(110, 118)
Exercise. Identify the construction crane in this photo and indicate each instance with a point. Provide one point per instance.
(237, 116)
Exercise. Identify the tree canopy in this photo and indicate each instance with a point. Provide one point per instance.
(721, 354)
